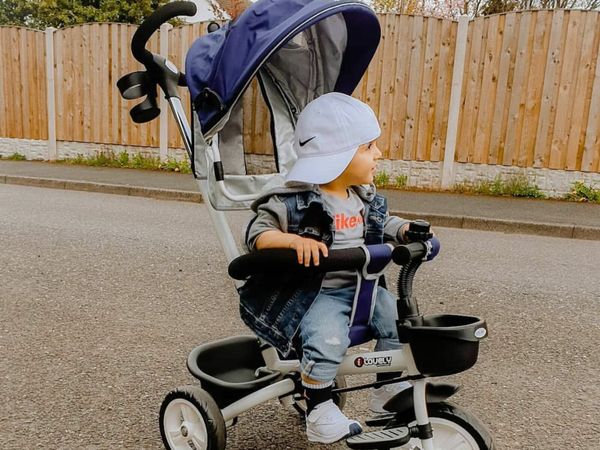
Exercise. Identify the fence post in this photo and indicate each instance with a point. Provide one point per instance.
(455, 99)
(164, 105)
(52, 153)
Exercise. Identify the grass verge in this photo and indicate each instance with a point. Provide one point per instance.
(514, 186)
(14, 157)
(125, 160)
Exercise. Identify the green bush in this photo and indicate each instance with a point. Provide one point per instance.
(401, 181)
(514, 186)
(381, 179)
(582, 193)
(16, 157)
(176, 166)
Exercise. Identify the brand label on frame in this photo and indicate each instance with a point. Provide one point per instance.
(380, 361)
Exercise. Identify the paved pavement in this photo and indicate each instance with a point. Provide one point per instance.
(510, 215)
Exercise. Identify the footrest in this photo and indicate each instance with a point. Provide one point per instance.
(380, 420)
(383, 439)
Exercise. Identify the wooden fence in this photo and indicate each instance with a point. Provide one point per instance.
(530, 94)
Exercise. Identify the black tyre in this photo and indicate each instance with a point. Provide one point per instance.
(339, 399)
(453, 428)
(190, 419)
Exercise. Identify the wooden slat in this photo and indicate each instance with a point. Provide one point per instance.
(115, 75)
(388, 81)
(3, 85)
(247, 115)
(503, 89)
(487, 95)
(550, 89)
(567, 88)
(415, 75)
(582, 93)
(123, 118)
(24, 84)
(426, 107)
(591, 152)
(519, 83)
(540, 28)
(8, 77)
(16, 103)
(400, 98)
(524, 153)
(36, 82)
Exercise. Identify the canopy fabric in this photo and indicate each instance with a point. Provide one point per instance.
(220, 65)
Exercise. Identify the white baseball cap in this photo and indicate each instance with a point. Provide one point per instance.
(329, 131)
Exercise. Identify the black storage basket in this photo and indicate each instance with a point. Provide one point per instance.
(227, 369)
(443, 344)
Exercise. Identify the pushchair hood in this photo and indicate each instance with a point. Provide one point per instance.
(220, 65)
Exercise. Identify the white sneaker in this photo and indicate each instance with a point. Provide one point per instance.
(327, 424)
(380, 396)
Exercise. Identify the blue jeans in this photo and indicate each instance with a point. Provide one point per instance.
(324, 330)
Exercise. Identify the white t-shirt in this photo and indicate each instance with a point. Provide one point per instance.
(349, 232)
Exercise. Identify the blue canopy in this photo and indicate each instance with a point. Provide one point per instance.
(220, 65)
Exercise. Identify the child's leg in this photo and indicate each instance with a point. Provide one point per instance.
(383, 322)
(324, 337)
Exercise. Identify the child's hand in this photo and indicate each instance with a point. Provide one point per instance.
(308, 249)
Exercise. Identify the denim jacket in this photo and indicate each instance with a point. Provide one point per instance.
(273, 306)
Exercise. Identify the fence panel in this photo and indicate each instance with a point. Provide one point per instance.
(89, 60)
(23, 109)
(530, 90)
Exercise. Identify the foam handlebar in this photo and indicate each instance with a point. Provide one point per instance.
(278, 260)
(285, 260)
(153, 23)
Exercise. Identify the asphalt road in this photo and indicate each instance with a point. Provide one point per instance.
(103, 296)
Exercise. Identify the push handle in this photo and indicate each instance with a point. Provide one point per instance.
(153, 23)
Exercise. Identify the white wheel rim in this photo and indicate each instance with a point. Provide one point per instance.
(447, 435)
(184, 426)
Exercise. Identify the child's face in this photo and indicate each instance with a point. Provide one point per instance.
(361, 169)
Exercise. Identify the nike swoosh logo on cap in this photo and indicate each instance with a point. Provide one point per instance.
(302, 144)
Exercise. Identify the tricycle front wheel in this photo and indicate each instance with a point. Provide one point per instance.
(453, 428)
(190, 418)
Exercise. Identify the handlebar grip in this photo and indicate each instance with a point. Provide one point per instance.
(153, 23)
(403, 254)
(277, 260)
